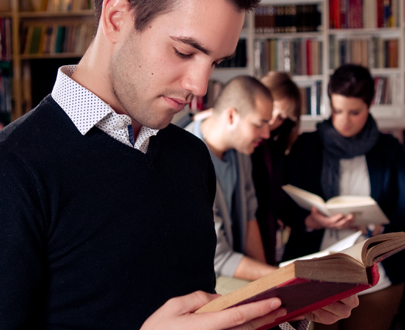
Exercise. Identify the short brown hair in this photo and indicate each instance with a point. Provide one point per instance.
(240, 93)
(147, 10)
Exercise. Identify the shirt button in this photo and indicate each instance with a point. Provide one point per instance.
(120, 124)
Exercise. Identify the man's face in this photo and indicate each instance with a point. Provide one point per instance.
(254, 127)
(156, 72)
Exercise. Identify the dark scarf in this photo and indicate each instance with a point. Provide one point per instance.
(336, 147)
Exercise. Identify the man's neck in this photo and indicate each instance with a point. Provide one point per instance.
(213, 137)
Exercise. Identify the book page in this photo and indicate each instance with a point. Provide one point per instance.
(337, 247)
(306, 199)
(351, 200)
(356, 251)
(364, 214)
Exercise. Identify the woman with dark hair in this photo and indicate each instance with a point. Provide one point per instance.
(268, 158)
(347, 155)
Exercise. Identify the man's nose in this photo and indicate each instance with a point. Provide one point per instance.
(195, 80)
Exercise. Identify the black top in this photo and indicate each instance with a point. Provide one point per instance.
(386, 167)
(95, 234)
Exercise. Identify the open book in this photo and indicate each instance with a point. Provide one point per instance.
(364, 208)
(307, 285)
(339, 246)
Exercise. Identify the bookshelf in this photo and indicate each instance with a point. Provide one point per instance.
(45, 34)
(367, 40)
(321, 39)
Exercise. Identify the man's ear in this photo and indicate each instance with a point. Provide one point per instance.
(114, 17)
(232, 116)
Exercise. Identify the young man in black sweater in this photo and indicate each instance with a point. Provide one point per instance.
(98, 193)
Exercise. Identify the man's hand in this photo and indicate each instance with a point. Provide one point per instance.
(334, 312)
(177, 314)
(317, 220)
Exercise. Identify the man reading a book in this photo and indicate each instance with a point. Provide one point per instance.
(105, 208)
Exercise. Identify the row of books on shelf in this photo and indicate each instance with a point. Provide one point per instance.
(239, 58)
(383, 87)
(5, 87)
(301, 56)
(56, 5)
(370, 52)
(359, 14)
(311, 97)
(53, 39)
(287, 19)
(5, 39)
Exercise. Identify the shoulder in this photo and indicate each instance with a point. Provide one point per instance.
(244, 161)
(388, 147)
(183, 136)
(183, 143)
(34, 124)
(388, 140)
(308, 142)
(308, 137)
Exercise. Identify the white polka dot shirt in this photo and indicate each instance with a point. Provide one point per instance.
(87, 110)
(302, 325)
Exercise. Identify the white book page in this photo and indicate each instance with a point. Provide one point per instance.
(306, 199)
(337, 247)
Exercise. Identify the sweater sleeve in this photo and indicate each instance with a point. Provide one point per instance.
(22, 246)
(226, 259)
(250, 193)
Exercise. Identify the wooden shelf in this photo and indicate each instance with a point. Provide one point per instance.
(22, 63)
(43, 14)
(44, 56)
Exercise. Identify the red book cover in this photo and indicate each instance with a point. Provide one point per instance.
(380, 13)
(326, 294)
(336, 11)
(331, 14)
(307, 285)
(358, 14)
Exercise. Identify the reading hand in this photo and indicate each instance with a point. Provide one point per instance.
(334, 312)
(371, 230)
(316, 220)
(177, 313)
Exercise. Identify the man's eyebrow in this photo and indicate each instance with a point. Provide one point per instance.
(195, 44)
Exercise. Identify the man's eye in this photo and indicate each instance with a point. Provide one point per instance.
(182, 55)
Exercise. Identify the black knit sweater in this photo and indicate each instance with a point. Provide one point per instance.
(95, 234)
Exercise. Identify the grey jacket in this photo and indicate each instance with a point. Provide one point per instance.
(227, 254)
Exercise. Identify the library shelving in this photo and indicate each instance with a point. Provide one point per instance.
(45, 34)
(310, 38)
(304, 37)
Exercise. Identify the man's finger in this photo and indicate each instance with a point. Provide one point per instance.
(245, 317)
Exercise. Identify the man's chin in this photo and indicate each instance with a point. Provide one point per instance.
(160, 124)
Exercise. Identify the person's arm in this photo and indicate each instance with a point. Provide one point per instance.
(22, 244)
(177, 313)
(254, 243)
(253, 264)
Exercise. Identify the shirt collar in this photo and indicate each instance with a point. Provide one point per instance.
(84, 108)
